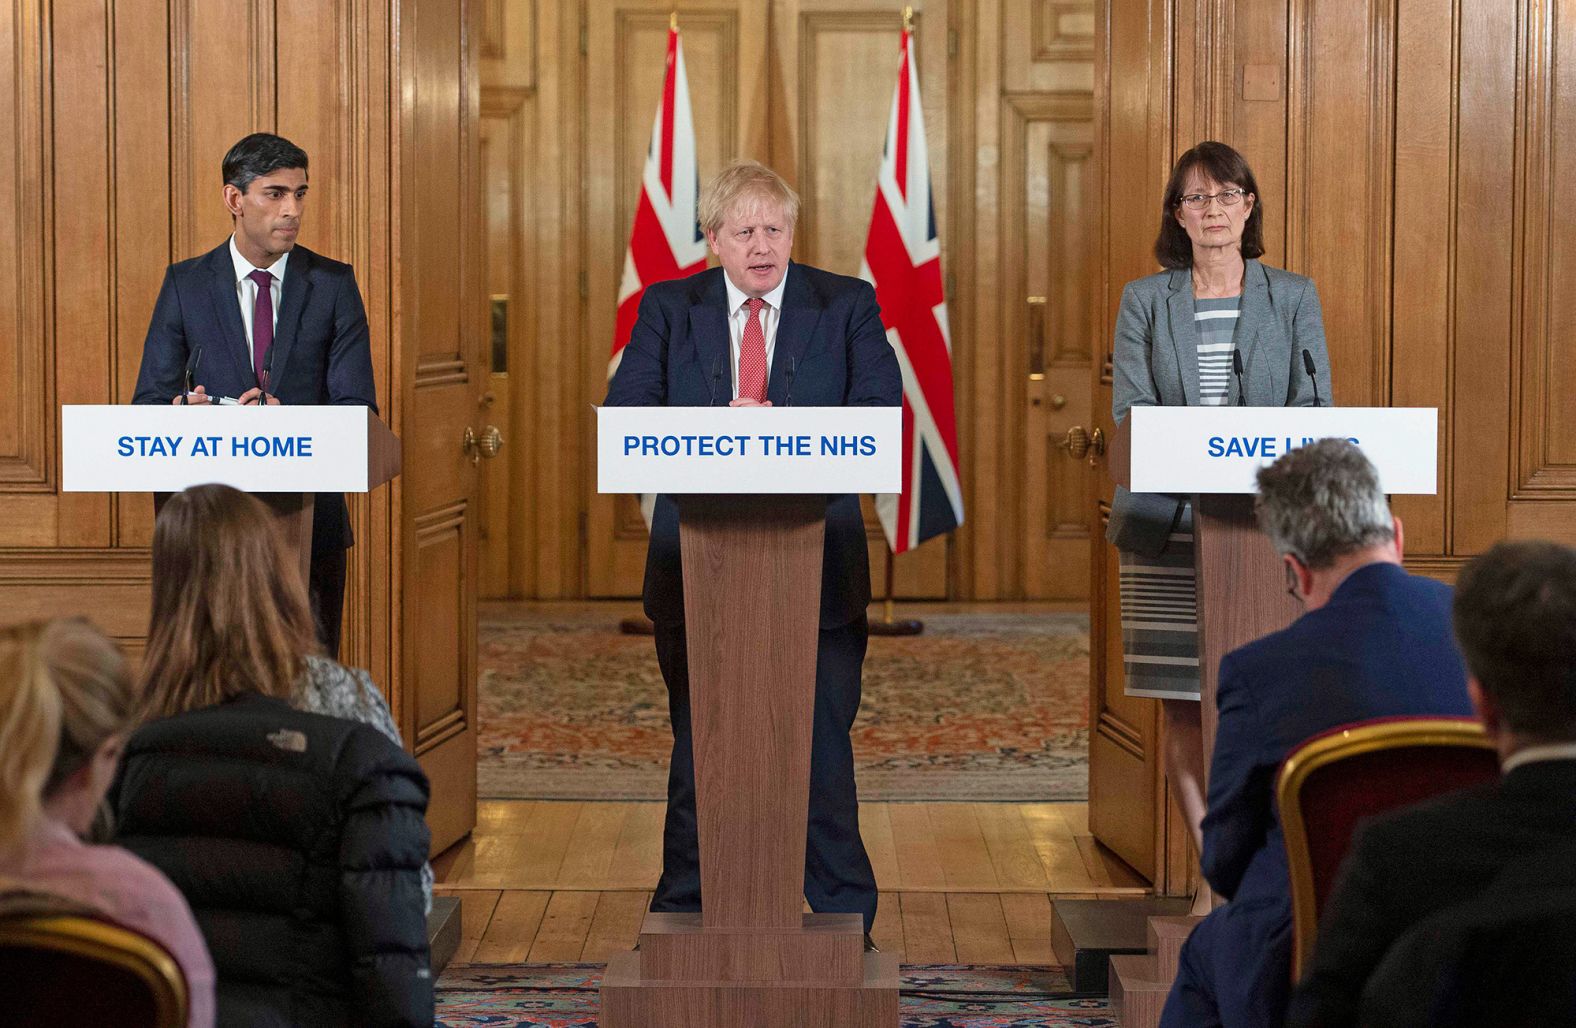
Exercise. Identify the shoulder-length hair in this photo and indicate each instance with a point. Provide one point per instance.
(1218, 163)
(230, 612)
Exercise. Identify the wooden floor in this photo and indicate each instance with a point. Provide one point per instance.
(970, 882)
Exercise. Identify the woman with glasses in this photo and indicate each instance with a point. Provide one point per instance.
(1216, 328)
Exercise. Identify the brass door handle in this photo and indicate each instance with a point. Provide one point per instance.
(1080, 443)
(1036, 337)
(492, 442)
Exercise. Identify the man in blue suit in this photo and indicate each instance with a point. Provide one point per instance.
(259, 319)
(1375, 642)
(762, 331)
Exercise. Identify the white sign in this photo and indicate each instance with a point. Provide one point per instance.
(144, 449)
(749, 450)
(1220, 449)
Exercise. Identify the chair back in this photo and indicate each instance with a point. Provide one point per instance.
(80, 971)
(1335, 780)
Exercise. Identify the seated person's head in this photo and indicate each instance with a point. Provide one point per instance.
(1324, 511)
(230, 612)
(1515, 617)
(65, 704)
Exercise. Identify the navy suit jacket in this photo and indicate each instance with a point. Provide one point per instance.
(831, 351)
(321, 352)
(1381, 647)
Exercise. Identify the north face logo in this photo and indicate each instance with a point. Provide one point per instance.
(288, 739)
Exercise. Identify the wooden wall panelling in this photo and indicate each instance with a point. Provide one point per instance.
(1047, 46)
(1480, 402)
(1545, 351)
(1256, 102)
(983, 426)
(83, 171)
(27, 420)
(726, 60)
(142, 209)
(499, 170)
(1422, 330)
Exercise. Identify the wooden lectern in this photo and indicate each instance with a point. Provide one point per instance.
(1241, 582)
(752, 591)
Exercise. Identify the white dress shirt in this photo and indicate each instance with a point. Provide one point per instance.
(739, 315)
(246, 290)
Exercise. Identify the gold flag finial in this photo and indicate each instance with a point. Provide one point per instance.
(673, 21)
(908, 19)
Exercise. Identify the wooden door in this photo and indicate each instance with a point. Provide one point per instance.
(626, 48)
(837, 65)
(441, 332)
(1125, 788)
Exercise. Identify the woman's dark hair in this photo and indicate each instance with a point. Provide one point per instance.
(1218, 163)
(259, 154)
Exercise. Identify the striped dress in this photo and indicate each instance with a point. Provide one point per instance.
(1160, 594)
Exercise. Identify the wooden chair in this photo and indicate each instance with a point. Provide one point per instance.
(1336, 779)
(78, 971)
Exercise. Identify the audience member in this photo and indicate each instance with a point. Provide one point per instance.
(65, 704)
(297, 837)
(1375, 642)
(1486, 862)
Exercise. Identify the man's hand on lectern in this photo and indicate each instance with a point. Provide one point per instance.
(745, 401)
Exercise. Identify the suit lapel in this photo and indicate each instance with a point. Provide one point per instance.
(1255, 317)
(709, 330)
(1184, 332)
(795, 327)
(227, 313)
(297, 288)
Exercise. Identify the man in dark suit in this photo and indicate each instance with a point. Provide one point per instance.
(762, 331)
(259, 319)
(1515, 617)
(1375, 642)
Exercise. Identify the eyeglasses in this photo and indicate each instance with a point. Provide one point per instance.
(1199, 201)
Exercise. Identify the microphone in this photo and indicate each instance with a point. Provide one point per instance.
(191, 372)
(793, 366)
(1236, 366)
(1307, 365)
(716, 380)
(268, 366)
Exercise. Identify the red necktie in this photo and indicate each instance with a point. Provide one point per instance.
(262, 321)
(752, 355)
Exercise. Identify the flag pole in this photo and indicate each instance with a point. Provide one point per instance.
(887, 625)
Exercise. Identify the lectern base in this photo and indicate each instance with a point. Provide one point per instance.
(628, 1001)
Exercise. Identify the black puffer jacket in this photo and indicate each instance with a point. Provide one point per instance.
(298, 840)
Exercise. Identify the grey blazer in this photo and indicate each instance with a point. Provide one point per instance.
(1156, 364)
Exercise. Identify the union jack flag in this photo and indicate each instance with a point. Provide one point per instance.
(903, 262)
(665, 241)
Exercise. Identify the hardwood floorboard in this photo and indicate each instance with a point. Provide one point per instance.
(960, 844)
(918, 861)
(512, 929)
(476, 910)
(593, 845)
(1028, 916)
(1056, 847)
(875, 827)
(616, 924)
(565, 926)
(1012, 851)
(887, 932)
(979, 929)
(927, 930)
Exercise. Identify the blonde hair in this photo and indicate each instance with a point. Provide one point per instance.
(230, 612)
(64, 690)
(741, 180)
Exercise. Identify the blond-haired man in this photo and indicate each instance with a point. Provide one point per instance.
(763, 331)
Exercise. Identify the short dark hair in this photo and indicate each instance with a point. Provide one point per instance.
(1218, 163)
(1515, 618)
(259, 154)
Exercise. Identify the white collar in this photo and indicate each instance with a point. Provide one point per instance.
(736, 297)
(244, 267)
(1538, 754)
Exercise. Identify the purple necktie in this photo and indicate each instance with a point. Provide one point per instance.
(262, 322)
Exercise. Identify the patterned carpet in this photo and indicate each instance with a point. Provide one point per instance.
(982, 706)
(933, 996)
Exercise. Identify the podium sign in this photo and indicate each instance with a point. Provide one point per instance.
(749, 450)
(144, 449)
(1220, 449)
